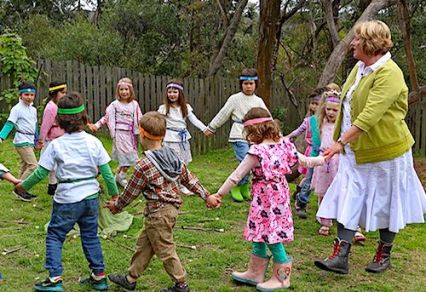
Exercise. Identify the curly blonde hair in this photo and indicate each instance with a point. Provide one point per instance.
(374, 36)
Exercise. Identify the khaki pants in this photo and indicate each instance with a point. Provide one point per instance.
(157, 239)
(28, 161)
(52, 175)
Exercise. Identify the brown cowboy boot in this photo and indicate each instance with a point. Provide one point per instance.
(381, 260)
(281, 274)
(338, 261)
(255, 272)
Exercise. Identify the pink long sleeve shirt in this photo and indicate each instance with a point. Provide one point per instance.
(50, 129)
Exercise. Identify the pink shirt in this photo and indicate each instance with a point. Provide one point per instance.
(49, 129)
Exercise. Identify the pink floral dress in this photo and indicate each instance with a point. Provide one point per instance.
(270, 218)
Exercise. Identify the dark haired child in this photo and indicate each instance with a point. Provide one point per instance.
(50, 129)
(235, 108)
(158, 175)
(269, 223)
(23, 118)
(122, 117)
(77, 157)
(177, 111)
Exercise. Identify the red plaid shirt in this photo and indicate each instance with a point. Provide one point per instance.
(156, 189)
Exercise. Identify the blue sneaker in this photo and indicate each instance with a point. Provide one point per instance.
(48, 285)
(98, 285)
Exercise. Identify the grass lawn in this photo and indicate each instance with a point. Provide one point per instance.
(217, 254)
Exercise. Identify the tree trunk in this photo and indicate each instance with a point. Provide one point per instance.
(338, 55)
(404, 24)
(329, 17)
(268, 27)
(217, 59)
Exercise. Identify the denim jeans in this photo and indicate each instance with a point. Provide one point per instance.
(64, 216)
(240, 150)
(305, 192)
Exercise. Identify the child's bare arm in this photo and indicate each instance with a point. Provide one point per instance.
(10, 178)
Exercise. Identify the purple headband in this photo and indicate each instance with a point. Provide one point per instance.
(174, 85)
(333, 98)
(316, 97)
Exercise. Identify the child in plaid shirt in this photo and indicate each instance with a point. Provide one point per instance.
(158, 175)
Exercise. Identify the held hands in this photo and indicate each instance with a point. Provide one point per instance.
(213, 201)
(19, 187)
(333, 149)
(111, 205)
(92, 127)
(208, 133)
(39, 145)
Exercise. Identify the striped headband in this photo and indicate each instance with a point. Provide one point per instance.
(23, 90)
(72, 110)
(174, 85)
(256, 121)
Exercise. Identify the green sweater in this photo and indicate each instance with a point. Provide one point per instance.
(378, 107)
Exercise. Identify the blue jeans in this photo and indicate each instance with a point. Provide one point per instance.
(64, 216)
(305, 192)
(240, 150)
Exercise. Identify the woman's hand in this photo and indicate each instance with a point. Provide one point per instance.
(333, 149)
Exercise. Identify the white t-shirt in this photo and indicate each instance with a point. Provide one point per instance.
(77, 157)
(175, 120)
(24, 118)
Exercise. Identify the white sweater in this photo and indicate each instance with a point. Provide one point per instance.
(236, 107)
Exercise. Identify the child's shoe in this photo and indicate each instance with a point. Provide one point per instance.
(121, 280)
(49, 285)
(98, 282)
(281, 274)
(23, 196)
(255, 273)
(178, 287)
(300, 211)
(236, 194)
(245, 191)
(51, 189)
(324, 230)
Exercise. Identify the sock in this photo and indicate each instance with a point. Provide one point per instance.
(181, 285)
(278, 253)
(345, 234)
(259, 249)
(387, 236)
(99, 276)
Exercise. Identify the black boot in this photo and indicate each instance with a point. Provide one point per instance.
(381, 260)
(338, 261)
(51, 189)
(298, 189)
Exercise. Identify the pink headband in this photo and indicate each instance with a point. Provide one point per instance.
(256, 121)
(174, 85)
(333, 99)
(124, 83)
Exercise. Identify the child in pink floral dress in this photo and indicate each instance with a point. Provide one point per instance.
(270, 221)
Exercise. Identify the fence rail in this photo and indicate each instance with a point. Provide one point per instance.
(97, 85)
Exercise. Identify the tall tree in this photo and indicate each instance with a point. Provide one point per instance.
(268, 28)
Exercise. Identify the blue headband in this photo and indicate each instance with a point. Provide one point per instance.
(244, 78)
(23, 90)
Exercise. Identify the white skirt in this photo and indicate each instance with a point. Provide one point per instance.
(183, 150)
(386, 194)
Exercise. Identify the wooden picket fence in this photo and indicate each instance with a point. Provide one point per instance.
(97, 85)
(416, 120)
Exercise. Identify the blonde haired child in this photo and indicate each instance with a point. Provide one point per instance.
(122, 118)
(269, 223)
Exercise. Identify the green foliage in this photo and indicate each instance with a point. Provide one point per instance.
(15, 66)
(280, 113)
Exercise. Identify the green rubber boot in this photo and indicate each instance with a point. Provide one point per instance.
(236, 194)
(245, 191)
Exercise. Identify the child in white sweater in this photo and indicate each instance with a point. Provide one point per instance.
(235, 108)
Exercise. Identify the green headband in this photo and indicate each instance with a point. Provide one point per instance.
(71, 111)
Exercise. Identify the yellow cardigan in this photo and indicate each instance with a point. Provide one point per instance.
(379, 105)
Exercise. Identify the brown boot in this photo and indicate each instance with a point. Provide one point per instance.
(255, 273)
(281, 274)
(338, 261)
(381, 260)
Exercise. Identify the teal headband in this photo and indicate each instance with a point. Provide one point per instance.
(72, 110)
(23, 90)
(244, 78)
